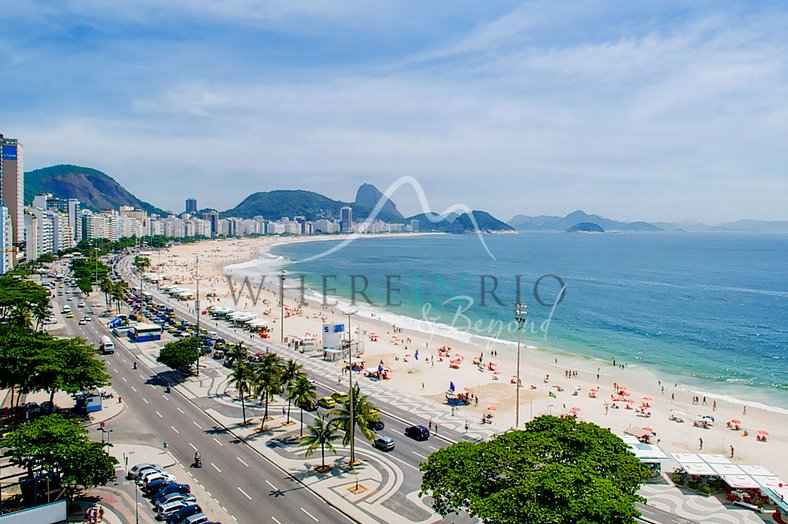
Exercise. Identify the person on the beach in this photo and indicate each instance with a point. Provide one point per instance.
(731, 451)
(700, 443)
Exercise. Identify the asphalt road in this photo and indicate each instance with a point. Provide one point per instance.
(251, 488)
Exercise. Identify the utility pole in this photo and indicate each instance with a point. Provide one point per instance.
(350, 393)
(197, 310)
(282, 307)
(520, 312)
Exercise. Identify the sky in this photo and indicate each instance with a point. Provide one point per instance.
(634, 110)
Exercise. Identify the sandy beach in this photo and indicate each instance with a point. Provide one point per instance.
(555, 384)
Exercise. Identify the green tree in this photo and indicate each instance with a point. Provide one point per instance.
(242, 377)
(67, 364)
(302, 392)
(18, 347)
(554, 471)
(118, 291)
(268, 381)
(322, 434)
(141, 262)
(290, 373)
(18, 298)
(364, 412)
(61, 446)
(180, 355)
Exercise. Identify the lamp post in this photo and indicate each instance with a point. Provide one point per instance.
(520, 312)
(197, 311)
(282, 306)
(350, 392)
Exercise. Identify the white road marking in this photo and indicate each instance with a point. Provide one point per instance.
(242, 462)
(199, 426)
(124, 379)
(272, 486)
(433, 448)
(193, 446)
(275, 520)
(152, 386)
(133, 389)
(115, 370)
(159, 414)
(403, 462)
(214, 439)
(142, 376)
(179, 409)
(419, 455)
(312, 516)
(245, 493)
(145, 400)
(174, 428)
(214, 467)
(165, 396)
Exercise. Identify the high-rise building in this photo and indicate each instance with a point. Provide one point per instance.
(191, 205)
(414, 226)
(6, 244)
(12, 184)
(346, 219)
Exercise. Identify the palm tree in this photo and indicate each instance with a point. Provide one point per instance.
(106, 287)
(302, 391)
(118, 292)
(242, 379)
(364, 412)
(322, 434)
(40, 312)
(290, 373)
(268, 381)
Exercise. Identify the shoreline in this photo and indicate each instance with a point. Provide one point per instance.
(693, 385)
(545, 389)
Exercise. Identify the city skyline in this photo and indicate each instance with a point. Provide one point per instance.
(661, 112)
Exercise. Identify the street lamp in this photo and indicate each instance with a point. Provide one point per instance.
(350, 392)
(197, 311)
(520, 312)
(282, 306)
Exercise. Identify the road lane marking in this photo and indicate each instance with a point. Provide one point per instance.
(199, 426)
(419, 455)
(214, 439)
(115, 370)
(145, 400)
(152, 386)
(433, 448)
(193, 446)
(159, 414)
(165, 396)
(275, 520)
(214, 467)
(245, 493)
(272, 486)
(242, 462)
(312, 516)
(133, 389)
(403, 462)
(142, 376)
(174, 428)
(179, 409)
(124, 379)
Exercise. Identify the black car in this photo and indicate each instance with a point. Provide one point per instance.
(417, 432)
(181, 514)
(155, 486)
(376, 425)
(172, 488)
(309, 405)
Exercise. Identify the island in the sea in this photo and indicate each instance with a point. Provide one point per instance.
(586, 227)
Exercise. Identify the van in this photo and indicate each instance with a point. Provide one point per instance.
(106, 346)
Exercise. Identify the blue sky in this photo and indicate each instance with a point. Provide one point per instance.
(634, 110)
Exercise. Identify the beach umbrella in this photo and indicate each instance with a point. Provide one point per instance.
(647, 398)
(575, 409)
(735, 421)
(630, 401)
(467, 390)
(491, 408)
(763, 432)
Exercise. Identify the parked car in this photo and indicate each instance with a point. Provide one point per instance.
(159, 475)
(169, 489)
(145, 474)
(417, 432)
(181, 514)
(327, 402)
(173, 508)
(197, 518)
(384, 443)
(142, 467)
(172, 497)
(153, 489)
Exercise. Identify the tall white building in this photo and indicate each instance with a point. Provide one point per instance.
(6, 241)
(38, 233)
(12, 184)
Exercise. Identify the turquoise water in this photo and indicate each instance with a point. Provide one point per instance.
(709, 307)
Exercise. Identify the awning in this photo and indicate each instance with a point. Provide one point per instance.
(727, 469)
(740, 481)
(712, 458)
(698, 468)
(683, 458)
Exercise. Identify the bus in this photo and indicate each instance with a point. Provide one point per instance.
(145, 332)
(106, 346)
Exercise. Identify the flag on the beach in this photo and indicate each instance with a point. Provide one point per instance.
(451, 386)
(551, 394)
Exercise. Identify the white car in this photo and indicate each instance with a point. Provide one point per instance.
(170, 508)
(81, 322)
(145, 474)
(175, 497)
(87, 318)
(81, 304)
(163, 475)
(142, 468)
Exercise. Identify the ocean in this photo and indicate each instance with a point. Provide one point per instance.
(710, 310)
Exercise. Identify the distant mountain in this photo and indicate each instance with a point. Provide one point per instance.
(453, 223)
(555, 223)
(96, 190)
(585, 227)
(368, 197)
(754, 226)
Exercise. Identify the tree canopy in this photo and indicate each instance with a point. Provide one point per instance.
(180, 355)
(554, 471)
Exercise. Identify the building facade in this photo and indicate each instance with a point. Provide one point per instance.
(12, 184)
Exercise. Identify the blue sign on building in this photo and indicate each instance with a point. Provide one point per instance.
(9, 152)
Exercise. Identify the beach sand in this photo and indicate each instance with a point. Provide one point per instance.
(430, 376)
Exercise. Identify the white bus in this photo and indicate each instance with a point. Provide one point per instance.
(107, 346)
